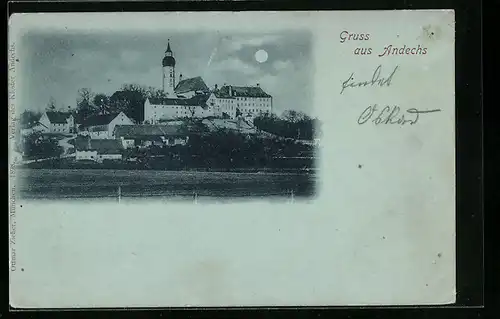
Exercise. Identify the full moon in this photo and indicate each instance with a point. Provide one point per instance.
(261, 56)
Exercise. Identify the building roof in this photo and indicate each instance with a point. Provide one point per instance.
(144, 131)
(58, 117)
(222, 95)
(197, 100)
(240, 91)
(191, 84)
(102, 146)
(33, 124)
(101, 119)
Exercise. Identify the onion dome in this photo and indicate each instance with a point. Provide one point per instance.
(169, 59)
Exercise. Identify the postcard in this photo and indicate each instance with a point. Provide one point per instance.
(231, 159)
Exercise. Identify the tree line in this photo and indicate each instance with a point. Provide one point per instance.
(225, 149)
(36, 145)
(292, 124)
(129, 100)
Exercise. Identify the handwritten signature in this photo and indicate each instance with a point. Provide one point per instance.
(392, 115)
(376, 80)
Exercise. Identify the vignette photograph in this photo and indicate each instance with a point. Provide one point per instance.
(166, 115)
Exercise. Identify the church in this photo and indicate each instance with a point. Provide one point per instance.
(192, 98)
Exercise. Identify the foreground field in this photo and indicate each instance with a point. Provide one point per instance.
(81, 183)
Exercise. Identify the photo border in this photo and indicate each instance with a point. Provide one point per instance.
(469, 155)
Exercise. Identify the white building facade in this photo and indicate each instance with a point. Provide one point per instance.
(222, 105)
(157, 110)
(145, 135)
(88, 155)
(250, 101)
(56, 122)
(103, 126)
(98, 150)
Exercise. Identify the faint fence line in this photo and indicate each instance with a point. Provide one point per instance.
(290, 193)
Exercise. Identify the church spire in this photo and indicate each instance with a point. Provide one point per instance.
(168, 47)
(168, 64)
(169, 59)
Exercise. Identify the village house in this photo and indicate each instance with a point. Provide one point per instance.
(146, 135)
(102, 126)
(35, 127)
(56, 122)
(98, 150)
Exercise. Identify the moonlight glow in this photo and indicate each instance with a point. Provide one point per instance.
(261, 56)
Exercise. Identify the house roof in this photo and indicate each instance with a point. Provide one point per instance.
(32, 125)
(101, 119)
(240, 91)
(81, 143)
(197, 100)
(142, 131)
(191, 84)
(102, 146)
(37, 124)
(58, 117)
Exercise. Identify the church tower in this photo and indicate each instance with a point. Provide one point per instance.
(169, 72)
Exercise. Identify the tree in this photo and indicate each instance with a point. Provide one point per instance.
(134, 87)
(101, 103)
(292, 124)
(28, 118)
(84, 96)
(129, 100)
(67, 109)
(294, 116)
(154, 93)
(51, 105)
(84, 105)
(35, 145)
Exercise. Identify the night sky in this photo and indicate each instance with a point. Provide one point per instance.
(56, 65)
